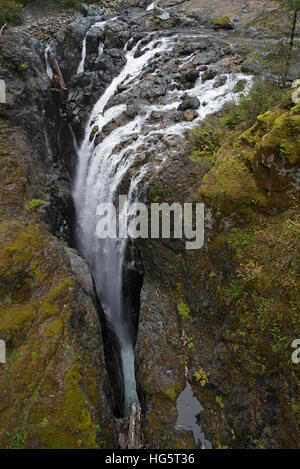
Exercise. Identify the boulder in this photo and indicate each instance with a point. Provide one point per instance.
(220, 81)
(190, 115)
(209, 75)
(161, 14)
(90, 10)
(189, 102)
(222, 23)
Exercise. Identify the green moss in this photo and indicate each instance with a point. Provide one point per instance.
(239, 87)
(10, 12)
(220, 22)
(201, 376)
(238, 182)
(19, 440)
(173, 391)
(205, 140)
(230, 186)
(34, 203)
(54, 329)
(56, 388)
(283, 139)
(153, 197)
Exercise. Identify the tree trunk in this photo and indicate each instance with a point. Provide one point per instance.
(130, 433)
(289, 58)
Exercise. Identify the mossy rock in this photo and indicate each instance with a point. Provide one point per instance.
(230, 186)
(223, 22)
(52, 385)
(283, 139)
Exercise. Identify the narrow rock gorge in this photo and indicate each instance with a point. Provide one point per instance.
(163, 102)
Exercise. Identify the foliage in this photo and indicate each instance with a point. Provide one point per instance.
(261, 97)
(33, 205)
(69, 3)
(19, 440)
(205, 141)
(219, 401)
(291, 4)
(201, 377)
(184, 310)
(10, 12)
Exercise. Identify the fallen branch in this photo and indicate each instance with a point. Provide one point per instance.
(59, 77)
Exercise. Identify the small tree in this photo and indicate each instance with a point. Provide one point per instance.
(293, 5)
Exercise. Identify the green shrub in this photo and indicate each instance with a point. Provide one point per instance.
(19, 440)
(262, 97)
(220, 402)
(33, 205)
(10, 12)
(184, 310)
(70, 3)
(204, 141)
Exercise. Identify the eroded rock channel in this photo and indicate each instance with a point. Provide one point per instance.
(137, 82)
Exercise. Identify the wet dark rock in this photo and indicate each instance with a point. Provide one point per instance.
(90, 10)
(160, 377)
(209, 75)
(191, 76)
(161, 14)
(68, 45)
(189, 102)
(206, 58)
(220, 81)
(116, 35)
(132, 110)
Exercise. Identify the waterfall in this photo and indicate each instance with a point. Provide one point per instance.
(152, 5)
(101, 169)
(48, 66)
(98, 176)
(101, 45)
(83, 56)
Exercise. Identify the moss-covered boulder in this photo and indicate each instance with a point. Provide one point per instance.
(258, 167)
(223, 22)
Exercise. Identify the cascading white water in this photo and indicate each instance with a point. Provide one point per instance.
(99, 24)
(152, 6)
(98, 177)
(48, 66)
(83, 56)
(100, 171)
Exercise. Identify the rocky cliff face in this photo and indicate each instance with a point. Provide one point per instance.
(236, 298)
(55, 390)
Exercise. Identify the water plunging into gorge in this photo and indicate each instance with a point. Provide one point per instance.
(99, 175)
(104, 164)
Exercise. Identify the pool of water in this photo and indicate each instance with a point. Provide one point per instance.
(188, 409)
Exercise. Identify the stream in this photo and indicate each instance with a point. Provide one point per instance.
(111, 148)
